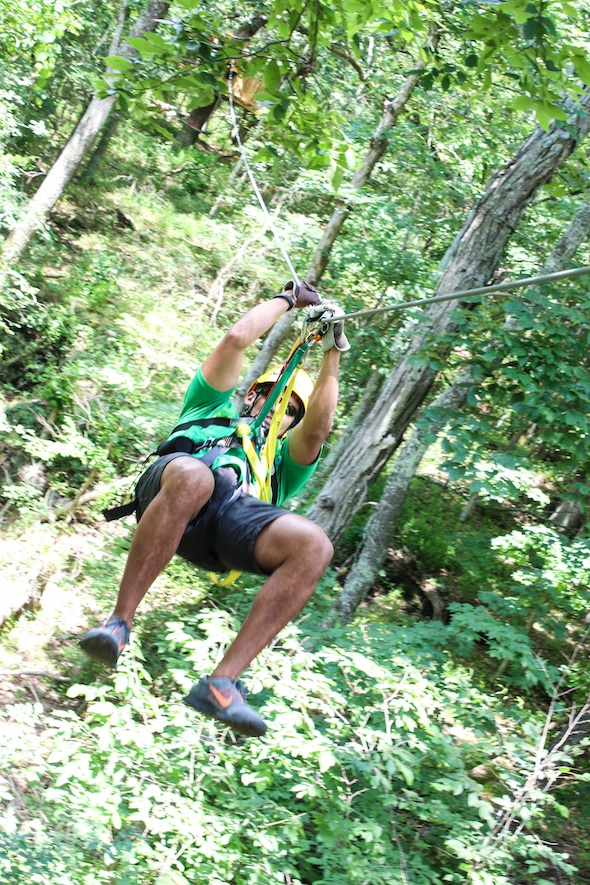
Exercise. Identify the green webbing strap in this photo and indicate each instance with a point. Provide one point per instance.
(293, 362)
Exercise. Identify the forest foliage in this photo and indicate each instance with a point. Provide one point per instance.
(402, 747)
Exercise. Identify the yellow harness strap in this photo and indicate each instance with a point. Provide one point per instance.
(257, 464)
(261, 466)
(224, 582)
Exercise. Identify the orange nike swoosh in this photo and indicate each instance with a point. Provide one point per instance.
(221, 699)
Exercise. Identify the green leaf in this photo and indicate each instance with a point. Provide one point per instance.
(522, 103)
(350, 158)
(335, 176)
(157, 40)
(543, 114)
(406, 772)
(279, 110)
(582, 66)
(326, 760)
(272, 77)
(206, 77)
(142, 45)
(171, 878)
(532, 29)
(205, 97)
(117, 63)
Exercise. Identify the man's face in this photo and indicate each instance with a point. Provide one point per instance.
(256, 400)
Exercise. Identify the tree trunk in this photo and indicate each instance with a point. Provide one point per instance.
(101, 148)
(470, 262)
(195, 123)
(363, 407)
(378, 145)
(381, 525)
(567, 515)
(198, 118)
(68, 162)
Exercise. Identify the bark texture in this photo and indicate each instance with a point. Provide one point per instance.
(361, 410)
(76, 149)
(380, 526)
(195, 123)
(470, 262)
(101, 147)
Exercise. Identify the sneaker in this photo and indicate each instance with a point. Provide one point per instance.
(223, 699)
(106, 642)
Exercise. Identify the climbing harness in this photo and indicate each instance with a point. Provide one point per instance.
(258, 443)
(261, 461)
(261, 457)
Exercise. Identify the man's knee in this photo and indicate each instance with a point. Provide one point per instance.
(325, 549)
(188, 482)
(297, 542)
(313, 546)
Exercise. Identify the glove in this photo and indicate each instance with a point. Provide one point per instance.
(307, 295)
(335, 337)
(300, 294)
(332, 333)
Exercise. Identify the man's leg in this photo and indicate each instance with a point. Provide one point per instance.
(186, 485)
(296, 552)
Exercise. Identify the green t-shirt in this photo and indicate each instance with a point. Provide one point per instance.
(204, 402)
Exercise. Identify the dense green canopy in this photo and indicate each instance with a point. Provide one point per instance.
(429, 712)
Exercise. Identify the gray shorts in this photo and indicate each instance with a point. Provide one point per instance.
(223, 534)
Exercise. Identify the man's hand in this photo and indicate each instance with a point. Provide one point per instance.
(332, 333)
(300, 294)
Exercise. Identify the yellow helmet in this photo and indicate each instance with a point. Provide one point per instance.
(302, 387)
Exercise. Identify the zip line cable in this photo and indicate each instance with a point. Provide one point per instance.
(481, 290)
(270, 224)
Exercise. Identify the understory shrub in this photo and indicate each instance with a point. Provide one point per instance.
(380, 766)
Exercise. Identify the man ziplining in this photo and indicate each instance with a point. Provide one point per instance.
(201, 499)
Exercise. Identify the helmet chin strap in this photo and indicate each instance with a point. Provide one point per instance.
(246, 412)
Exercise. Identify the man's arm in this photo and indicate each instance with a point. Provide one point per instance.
(223, 366)
(306, 440)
